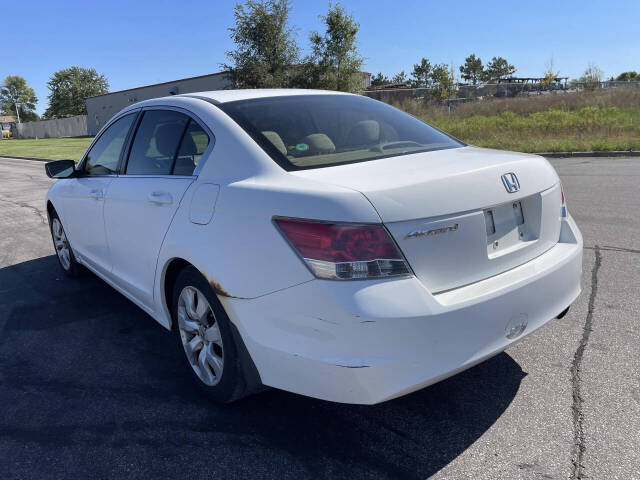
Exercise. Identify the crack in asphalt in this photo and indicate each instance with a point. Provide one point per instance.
(609, 248)
(36, 210)
(578, 417)
(619, 249)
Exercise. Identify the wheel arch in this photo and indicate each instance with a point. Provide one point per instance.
(173, 267)
(171, 271)
(51, 210)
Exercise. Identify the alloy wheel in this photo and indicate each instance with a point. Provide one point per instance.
(61, 243)
(200, 335)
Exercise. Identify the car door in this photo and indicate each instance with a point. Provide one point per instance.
(83, 197)
(142, 200)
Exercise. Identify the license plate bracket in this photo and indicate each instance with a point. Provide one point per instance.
(507, 228)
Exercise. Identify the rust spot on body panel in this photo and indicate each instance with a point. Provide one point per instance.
(217, 288)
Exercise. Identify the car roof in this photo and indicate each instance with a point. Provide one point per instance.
(223, 96)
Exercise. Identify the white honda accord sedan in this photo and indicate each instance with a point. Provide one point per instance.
(321, 243)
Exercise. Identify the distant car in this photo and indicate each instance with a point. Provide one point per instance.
(7, 129)
(322, 243)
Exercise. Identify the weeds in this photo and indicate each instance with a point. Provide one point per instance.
(601, 120)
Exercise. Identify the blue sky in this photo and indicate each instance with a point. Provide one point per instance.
(137, 43)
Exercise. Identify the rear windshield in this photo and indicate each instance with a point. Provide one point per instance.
(312, 131)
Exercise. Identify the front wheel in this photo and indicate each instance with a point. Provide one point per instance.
(204, 333)
(66, 259)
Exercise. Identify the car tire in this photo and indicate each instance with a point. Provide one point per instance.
(64, 253)
(206, 337)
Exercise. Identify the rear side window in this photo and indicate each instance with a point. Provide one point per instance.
(103, 157)
(156, 143)
(194, 143)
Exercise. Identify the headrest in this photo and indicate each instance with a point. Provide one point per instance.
(274, 138)
(365, 132)
(318, 143)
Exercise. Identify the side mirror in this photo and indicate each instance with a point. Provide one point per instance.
(60, 168)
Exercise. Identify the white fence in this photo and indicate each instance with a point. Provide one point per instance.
(60, 127)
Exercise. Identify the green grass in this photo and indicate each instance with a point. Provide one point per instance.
(585, 129)
(605, 119)
(51, 148)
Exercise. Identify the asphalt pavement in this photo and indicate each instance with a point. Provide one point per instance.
(91, 387)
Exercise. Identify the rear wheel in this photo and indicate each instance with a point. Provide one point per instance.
(204, 333)
(66, 259)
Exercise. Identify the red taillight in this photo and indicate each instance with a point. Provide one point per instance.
(563, 208)
(343, 251)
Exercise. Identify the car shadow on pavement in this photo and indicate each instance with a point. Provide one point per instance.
(91, 387)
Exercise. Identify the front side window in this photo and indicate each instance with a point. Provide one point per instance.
(156, 143)
(104, 155)
(311, 131)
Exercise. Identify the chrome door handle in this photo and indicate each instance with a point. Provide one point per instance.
(160, 198)
(96, 194)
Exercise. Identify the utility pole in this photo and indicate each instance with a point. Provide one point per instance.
(18, 111)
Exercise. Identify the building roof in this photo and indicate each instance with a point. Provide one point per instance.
(181, 80)
(161, 83)
(528, 79)
(223, 96)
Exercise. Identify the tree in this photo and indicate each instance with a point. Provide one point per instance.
(265, 45)
(443, 81)
(591, 77)
(472, 71)
(420, 73)
(70, 88)
(334, 54)
(399, 77)
(15, 90)
(631, 76)
(497, 69)
(379, 79)
(549, 76)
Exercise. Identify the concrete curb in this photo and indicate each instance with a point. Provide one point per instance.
(613, 153)
(28, 158)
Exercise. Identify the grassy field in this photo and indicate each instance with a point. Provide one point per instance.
(53, 148)
(586, 121)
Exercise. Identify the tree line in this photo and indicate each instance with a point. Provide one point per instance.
(69, 88)
(424, 74)
(441, 78)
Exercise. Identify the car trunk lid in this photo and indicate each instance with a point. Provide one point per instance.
(450, 211)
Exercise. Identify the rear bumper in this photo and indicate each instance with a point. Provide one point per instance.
(367, 342)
